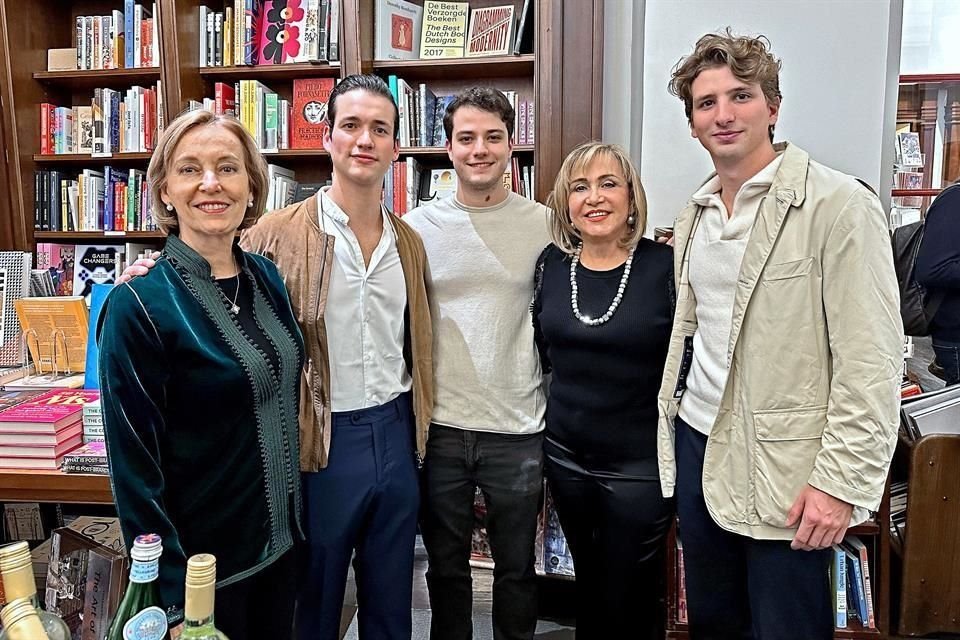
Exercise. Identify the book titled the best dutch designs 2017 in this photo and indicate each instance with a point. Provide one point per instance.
(444, 29)
(398, 30)
(491, 31)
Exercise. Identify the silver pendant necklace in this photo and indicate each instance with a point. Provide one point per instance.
(587, 320)
(234, 307)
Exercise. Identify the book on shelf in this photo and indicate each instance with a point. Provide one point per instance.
(444, 30)
(96, 264)
(56, 450)
(56, 330)
(282, 186)
(491, 31)
(90, 453)
(681, 582)
(523, 43)
(122, 40)
(98, 296)
(309, 112)
(908, 149)
(13, 398)
(397, 35)
(14, 284)
(268, 32)
(932, 412)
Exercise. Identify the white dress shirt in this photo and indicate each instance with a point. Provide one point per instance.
(364, 315)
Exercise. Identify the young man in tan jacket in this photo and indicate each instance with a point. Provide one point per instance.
(778, 409)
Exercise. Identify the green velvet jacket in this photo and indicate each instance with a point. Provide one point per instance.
(201, 430)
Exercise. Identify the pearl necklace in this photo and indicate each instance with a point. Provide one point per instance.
(587, 320)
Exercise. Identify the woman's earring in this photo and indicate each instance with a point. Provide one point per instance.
(631, 219)
(169, 207)
(249, 204)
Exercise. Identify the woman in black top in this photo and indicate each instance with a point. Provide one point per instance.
(602, 312)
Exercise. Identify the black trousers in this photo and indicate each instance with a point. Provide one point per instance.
(508, 469)
(738, 587)
(615, 528)
(262, 605)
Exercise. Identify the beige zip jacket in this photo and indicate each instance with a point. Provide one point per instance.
(292, 238)
(815, 354)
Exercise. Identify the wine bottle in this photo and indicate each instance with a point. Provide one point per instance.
(198, 604)
(16, 565)
(21, 622)
(139, 615)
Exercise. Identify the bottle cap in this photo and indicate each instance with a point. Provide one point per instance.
(14, 556)
(147, 548)
(16, 611)
(201, 570)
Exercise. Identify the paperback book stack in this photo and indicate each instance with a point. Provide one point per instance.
(933, 412)
(89, 458)
(37, 433)
(92, 422)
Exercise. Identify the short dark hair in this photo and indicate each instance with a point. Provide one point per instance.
(482, 98)
(364, 82)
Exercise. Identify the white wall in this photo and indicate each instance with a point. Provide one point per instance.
(839, 84)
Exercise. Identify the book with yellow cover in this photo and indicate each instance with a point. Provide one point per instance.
(56, 331)
(444, 29)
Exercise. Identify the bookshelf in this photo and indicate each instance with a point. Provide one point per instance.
(929, 105)
(563, 76)
(54, 486)
(875, 534)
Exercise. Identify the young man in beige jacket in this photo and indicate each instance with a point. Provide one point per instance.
(778, 409)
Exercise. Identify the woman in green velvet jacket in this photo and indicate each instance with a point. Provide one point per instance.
(199, 370)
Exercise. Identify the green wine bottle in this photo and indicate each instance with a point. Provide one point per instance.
(139, 616)
(21, 622)
(16, 565)
(198, 603)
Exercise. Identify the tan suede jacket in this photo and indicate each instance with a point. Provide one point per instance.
(292, 238)
(815, 352)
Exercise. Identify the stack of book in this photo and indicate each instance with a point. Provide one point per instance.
(89, 458)
(38, 432)
(92, 422)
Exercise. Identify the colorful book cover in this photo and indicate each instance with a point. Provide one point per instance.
(56, 331)
(97, 297)
(95, 264)
(310, 112)
(397, 30)
(491, 31)
(14, 284)
(58, 260)
(444, 29)
(48, 411)
(279, 37)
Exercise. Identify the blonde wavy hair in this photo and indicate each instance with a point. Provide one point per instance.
(562, 231)
(162, 158)
(749, 60)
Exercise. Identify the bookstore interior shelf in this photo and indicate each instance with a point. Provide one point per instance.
(98, 77)
(54, 486)
(86, 158)
(521, 66)
(274, 71)
(87, 236)
(442, 151)
(858, 633)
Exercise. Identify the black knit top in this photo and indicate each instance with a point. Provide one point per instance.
(602, 404)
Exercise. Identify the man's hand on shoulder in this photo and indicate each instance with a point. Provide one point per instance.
(139, 268)
(823, 519)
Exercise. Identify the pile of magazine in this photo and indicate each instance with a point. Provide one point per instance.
(932, 412)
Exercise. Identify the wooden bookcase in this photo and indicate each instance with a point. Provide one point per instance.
(930, 553)
(564, 77)
(875, 534)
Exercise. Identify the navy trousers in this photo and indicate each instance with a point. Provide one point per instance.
(364, 502)
(738, 587)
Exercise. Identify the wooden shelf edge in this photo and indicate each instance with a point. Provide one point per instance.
(52, 158)
(106, 75)
(97, 235)
(297, 69)
(19, 485)
(903, 193)
(929, 78)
